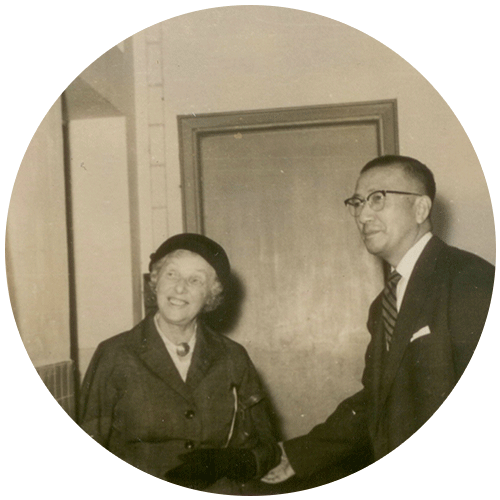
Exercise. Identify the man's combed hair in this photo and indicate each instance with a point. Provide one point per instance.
(411, 167)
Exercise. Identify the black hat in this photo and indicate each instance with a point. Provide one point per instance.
(211, 251)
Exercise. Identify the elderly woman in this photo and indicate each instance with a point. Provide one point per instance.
(173, 398)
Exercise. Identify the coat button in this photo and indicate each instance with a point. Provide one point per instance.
(189, 445)
(189, 414)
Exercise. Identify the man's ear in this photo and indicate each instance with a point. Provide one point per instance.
(423, 206)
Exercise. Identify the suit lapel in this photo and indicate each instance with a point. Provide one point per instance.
(416, 295)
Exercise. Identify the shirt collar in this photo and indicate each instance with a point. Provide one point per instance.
(191, 342)
(171, 345)
(407, 263)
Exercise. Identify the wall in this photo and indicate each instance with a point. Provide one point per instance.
(107, 112)
(37, 254)
(37, 259)
(99, 106)
(101, 229)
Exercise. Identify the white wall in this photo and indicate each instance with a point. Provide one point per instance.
(101, 229)
(36, 249)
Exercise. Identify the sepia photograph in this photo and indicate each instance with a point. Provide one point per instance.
(250, 250)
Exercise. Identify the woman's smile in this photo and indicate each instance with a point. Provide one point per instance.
(177, 302)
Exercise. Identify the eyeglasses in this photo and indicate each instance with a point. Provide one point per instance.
(376, 201)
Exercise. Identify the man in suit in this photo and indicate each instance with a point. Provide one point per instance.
(424, 326)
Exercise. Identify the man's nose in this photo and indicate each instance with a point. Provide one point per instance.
(365, 214)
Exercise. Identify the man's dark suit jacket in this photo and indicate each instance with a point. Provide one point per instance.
(438, 327)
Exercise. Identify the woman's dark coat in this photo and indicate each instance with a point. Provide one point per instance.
(135, 404)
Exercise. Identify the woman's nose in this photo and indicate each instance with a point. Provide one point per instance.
(180, 286)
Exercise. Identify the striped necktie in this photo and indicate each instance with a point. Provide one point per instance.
(389, 306)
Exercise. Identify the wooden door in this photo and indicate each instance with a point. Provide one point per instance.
(269, 186)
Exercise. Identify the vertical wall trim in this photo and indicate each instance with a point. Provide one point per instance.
(156, 132)
(133, 191)
(73, 320)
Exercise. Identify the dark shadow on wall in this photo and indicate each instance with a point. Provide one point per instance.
(441, 218)
(225, 318)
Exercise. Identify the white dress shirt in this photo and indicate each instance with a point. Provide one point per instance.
(406, 265)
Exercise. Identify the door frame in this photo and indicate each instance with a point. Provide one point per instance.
(193, 128)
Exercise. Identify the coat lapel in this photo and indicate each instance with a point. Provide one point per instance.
(206, 351)
(416, 295)
(155, 355)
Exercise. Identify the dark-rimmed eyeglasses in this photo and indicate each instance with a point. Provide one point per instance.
(375, 200)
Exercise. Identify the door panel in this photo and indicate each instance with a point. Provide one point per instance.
(273, 197)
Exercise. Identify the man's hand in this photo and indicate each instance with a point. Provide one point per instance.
(281, 472)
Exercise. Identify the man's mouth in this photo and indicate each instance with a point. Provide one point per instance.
(370, 232)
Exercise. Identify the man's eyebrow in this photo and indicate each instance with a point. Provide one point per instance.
(369, 192)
